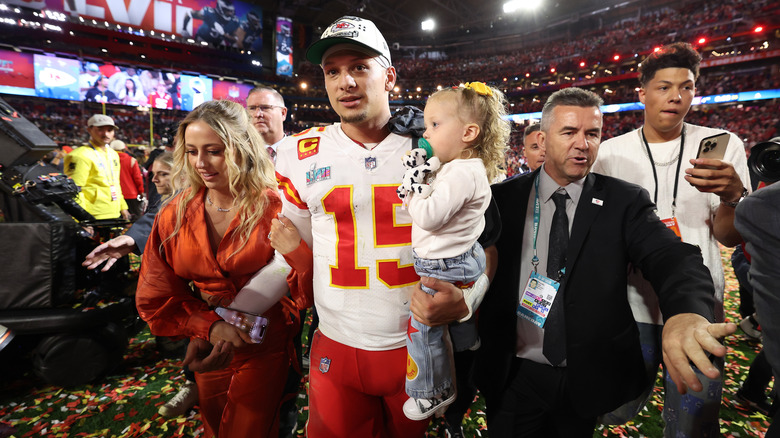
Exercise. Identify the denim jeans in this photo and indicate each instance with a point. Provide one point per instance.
(429, 366)
(693, 415)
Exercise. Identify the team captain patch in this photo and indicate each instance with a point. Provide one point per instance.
(308, 147)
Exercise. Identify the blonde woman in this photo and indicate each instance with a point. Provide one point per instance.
(213, 234)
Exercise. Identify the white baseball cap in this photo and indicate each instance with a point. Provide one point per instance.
(100, 120)
(349, 30)
(117, 145)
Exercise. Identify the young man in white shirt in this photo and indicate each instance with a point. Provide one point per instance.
(695, 198)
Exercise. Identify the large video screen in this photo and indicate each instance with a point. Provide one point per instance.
(231, 91)
(220, 23)
(107, 83)
(17, 73)
(284, 51)
(90, 81)
(194, 91)
(57, 78)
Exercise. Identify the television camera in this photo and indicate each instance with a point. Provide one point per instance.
(71, 323)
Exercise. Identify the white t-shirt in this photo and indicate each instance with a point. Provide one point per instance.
(625, 157)
(342, 198)
(449, 221)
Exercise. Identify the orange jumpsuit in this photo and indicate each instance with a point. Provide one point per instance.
(243, 399)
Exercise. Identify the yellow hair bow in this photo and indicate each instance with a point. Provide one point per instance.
(479, 87)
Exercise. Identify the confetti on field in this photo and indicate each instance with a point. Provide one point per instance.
(124, 404)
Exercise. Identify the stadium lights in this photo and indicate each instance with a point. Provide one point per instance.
(515, 5)
(428, 24)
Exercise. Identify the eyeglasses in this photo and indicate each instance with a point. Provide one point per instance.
(264, 108)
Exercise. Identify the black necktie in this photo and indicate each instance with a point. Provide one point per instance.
(554, 328)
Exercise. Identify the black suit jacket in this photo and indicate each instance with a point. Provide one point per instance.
(604, 358)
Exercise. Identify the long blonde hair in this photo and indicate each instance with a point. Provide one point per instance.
(485, 106)
(249, 167)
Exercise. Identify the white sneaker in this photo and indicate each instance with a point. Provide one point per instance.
(422, 408)
(750, 327)
(182, 402)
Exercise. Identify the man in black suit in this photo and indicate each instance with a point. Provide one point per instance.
(558, 388)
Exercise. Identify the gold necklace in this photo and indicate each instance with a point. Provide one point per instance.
(221, 210)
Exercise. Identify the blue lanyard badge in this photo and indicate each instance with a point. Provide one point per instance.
(537, 299)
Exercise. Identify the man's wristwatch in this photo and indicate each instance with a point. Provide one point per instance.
(735, 203)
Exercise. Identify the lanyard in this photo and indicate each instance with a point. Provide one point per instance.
(676, 174)
(105, 164)
(537, 211)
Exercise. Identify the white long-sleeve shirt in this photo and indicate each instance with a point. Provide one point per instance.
(449, 221)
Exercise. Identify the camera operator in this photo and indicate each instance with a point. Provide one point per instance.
(758, 221)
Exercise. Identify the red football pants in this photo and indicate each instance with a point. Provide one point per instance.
(358, 393)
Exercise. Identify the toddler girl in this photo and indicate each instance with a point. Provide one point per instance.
(468, 136)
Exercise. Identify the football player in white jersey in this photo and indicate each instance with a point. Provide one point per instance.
(338, 187)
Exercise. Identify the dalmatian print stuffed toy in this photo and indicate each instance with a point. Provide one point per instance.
(418, 167)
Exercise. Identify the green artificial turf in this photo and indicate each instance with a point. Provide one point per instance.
(125, 402)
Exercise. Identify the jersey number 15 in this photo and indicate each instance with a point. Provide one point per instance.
(347, 274)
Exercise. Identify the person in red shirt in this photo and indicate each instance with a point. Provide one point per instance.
(130, 179)
(159, 98)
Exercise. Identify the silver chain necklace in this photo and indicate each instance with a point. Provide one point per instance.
(221, 210)
(665, 163)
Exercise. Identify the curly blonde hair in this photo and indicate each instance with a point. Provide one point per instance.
(249, 167)
(487, 110)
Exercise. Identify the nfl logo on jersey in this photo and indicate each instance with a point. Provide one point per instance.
(324, 365)
(371, 163)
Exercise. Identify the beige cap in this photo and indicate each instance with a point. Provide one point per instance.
(117, 145)
(100, 120)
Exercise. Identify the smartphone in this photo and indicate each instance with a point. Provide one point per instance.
(713, 147)
(254, 325)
